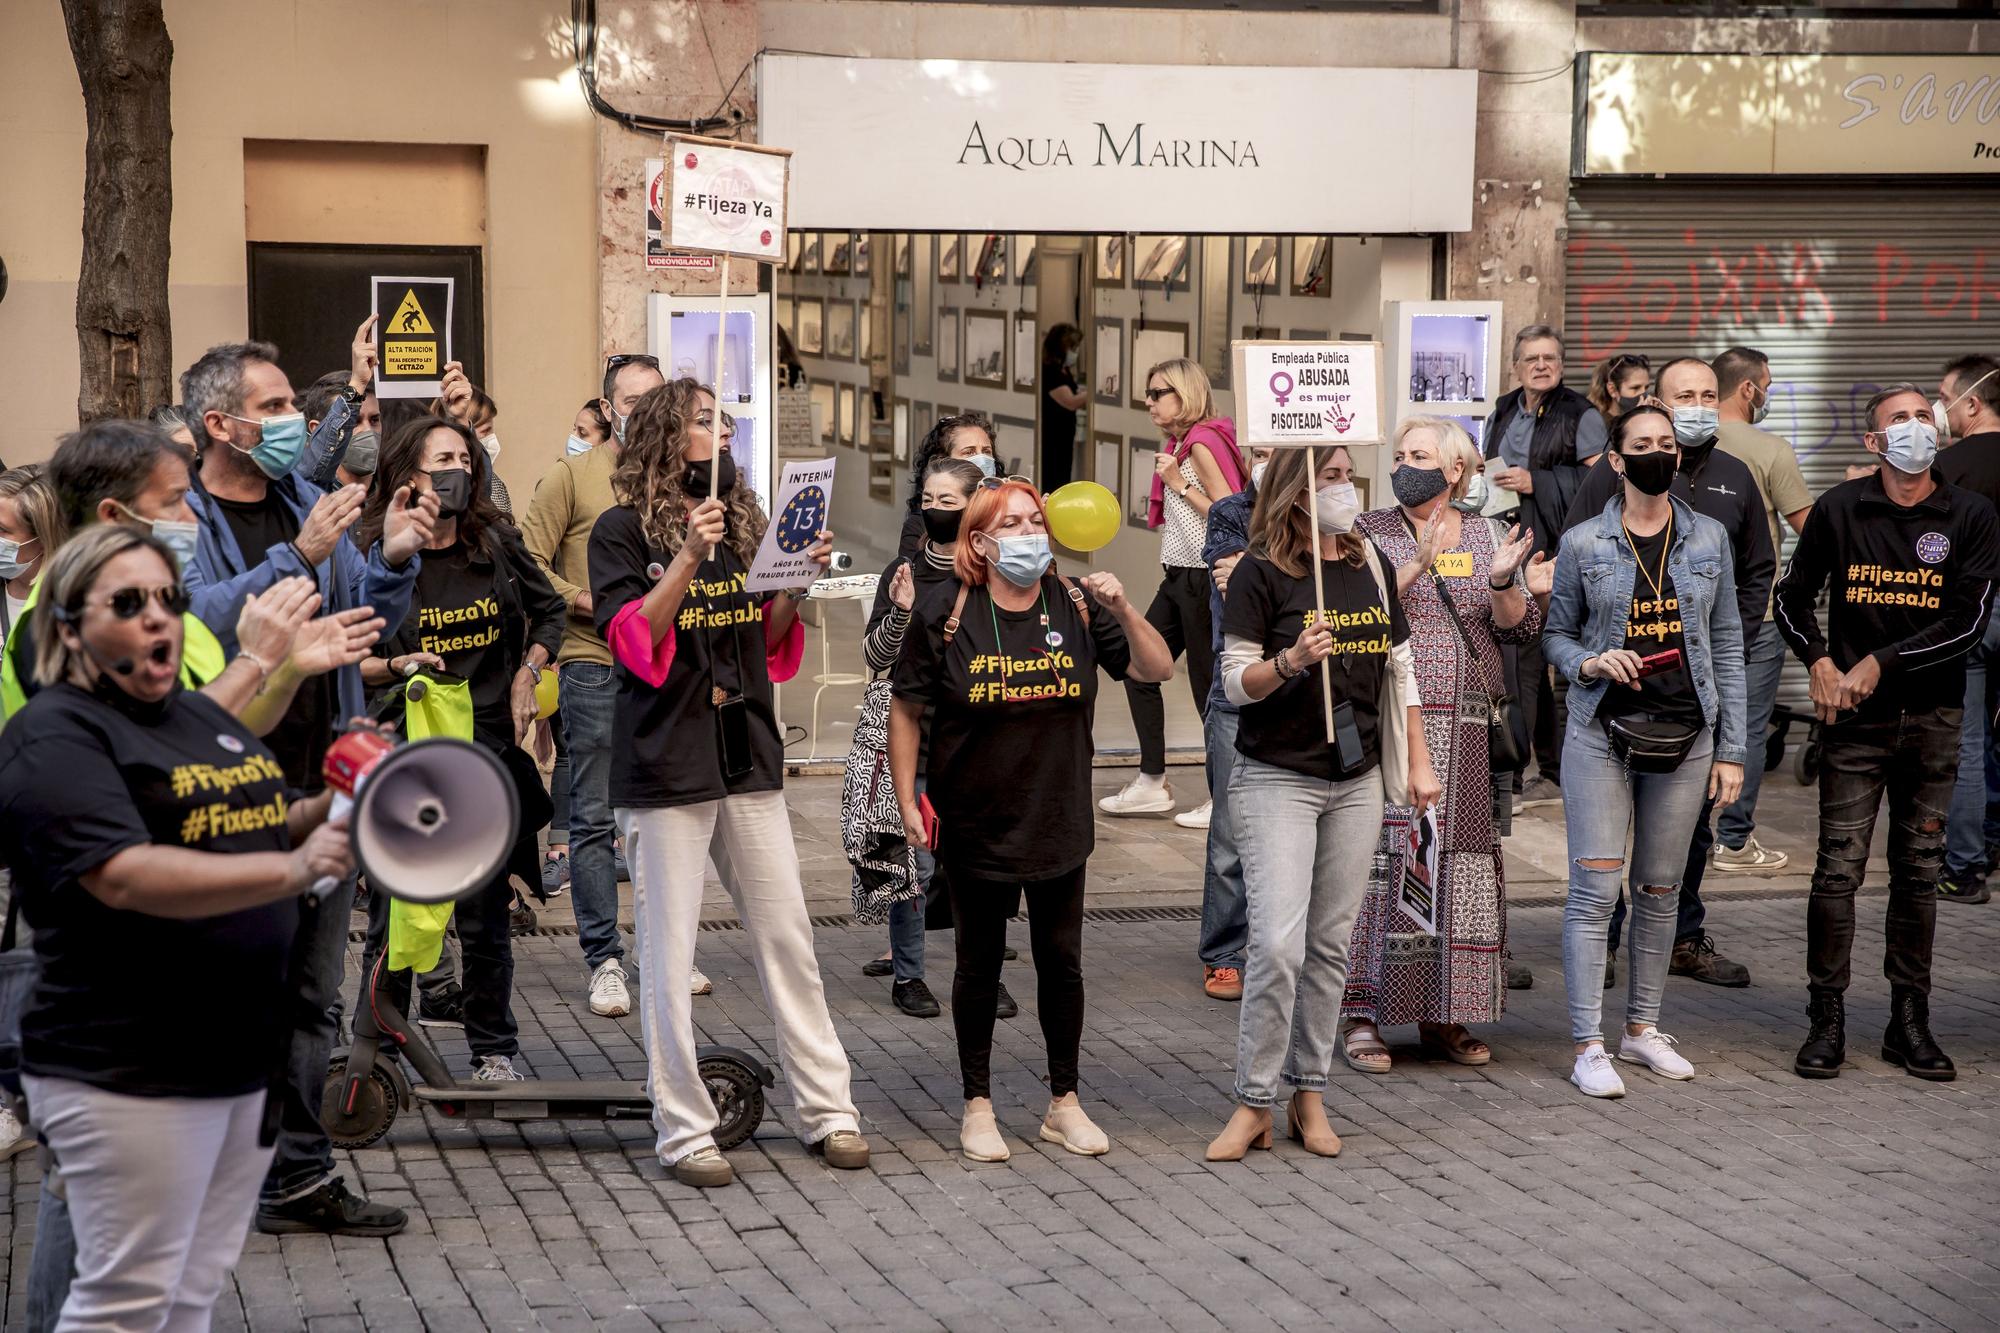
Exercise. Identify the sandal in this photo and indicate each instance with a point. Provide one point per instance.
(1362, 1047)
(1456, 1044)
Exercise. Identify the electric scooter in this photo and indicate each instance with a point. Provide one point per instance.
(366, 1084)
(400, 800)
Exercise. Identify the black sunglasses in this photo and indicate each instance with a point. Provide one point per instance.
(618, 359)
(127, 603)
(1155, 395)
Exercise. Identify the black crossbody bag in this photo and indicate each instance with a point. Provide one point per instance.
(1503, 749)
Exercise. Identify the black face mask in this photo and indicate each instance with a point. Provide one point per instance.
(1651, 473)
(453, 488)
(698, 473)
(1415, 486)
(1625, 402)
(941, 525)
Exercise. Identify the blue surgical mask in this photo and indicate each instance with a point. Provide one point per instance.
(575, 445)
(985, 463)
(280, 441)
(1763, 408)
(180, 538)
(1695, 425)
(1022, 560)
(12, 566)
(1909, 446)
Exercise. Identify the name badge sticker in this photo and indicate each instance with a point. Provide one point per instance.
(1453, 564)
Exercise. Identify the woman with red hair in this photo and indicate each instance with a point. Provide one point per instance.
(1005, 656)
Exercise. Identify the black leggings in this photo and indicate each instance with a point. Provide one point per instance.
(981, 908)
(1180, 613)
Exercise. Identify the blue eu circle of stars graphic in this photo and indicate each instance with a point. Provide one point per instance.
(804, 516)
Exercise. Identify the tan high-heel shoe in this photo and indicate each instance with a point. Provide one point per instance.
(1242, 1133)
(1325, 1144)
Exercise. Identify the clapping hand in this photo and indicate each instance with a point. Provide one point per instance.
(407, 529)
(334, 641)
(270, 621)
(1541, 576)
(1511, 554)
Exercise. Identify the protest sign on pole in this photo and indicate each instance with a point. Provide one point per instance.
(1315, 395)
(413, 330)
(798, 515)
(726, 198)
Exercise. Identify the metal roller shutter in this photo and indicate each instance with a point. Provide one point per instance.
(1845, 286)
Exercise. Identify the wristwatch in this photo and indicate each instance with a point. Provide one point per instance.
(350, 395)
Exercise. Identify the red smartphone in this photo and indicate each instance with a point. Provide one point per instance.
(1654, 663)
(930, 821)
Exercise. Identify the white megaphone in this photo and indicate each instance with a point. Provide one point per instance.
(431, 821)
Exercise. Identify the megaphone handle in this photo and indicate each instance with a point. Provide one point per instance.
(343, 805)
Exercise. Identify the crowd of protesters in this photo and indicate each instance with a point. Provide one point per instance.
(1584, 609)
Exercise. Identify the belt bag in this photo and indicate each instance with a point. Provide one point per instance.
(1648, 745)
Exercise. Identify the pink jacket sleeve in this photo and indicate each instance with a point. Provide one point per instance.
(783, 659)
(630, 636)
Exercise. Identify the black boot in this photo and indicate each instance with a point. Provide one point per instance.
(1826, 1043)
(1908, 1041)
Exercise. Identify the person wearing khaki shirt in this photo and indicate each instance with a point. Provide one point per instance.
(1743, 384)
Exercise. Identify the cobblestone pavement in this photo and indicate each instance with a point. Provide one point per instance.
(1493, 1198)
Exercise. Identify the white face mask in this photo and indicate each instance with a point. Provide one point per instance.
(1335, 507)
(1257, 470)
(575, 445)
(492, 445)
(1909, 446)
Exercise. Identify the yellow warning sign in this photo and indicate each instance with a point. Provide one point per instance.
(410, 358)
(409, 316)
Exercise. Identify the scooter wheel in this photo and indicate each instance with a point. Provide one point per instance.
(738, 1098)
(374, 1106)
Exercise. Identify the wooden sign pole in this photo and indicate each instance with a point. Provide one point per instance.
(721, 377)
(1319, 586)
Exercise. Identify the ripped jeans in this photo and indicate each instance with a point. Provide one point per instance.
(1599, 798)
(1914, 758)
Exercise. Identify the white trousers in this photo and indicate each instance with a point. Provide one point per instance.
(668, 851)
(161, 1193)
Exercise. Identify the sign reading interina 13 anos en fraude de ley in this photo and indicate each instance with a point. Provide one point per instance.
(1298, 393)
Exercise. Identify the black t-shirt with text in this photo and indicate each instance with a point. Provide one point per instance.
(1653, 626)
(456, 613)
(125, 1000)
(669, 749)
(1287, 728)
(301, 738)
(1012, 698)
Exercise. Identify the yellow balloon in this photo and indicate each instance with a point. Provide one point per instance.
(1083, 516)
(545, 693)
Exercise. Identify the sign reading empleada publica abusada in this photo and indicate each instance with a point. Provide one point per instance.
(726, 198)
(1308, 393)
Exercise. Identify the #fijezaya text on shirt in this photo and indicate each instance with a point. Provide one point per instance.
(1879, 585)
(1348, 645)
(218, 819)
(483, 612)
(705, 614)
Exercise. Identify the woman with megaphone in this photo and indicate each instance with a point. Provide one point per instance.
(159, 862)
(1005, 659)
(485, 617)
(699, 765)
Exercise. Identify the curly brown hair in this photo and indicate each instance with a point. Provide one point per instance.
(652, 472)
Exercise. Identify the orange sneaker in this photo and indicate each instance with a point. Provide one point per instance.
(1222, 983)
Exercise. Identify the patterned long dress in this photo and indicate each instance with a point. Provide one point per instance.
(1397, 973)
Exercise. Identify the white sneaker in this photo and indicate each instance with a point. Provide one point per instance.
(1750, 858)
(497, 1069)
(1197, 818)
(608, 995)
(1140, 797)
(1594, 1075)
(1655, 1050)
(699, 984)
(13, 1138)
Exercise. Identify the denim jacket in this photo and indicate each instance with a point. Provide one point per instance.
(1592, 602)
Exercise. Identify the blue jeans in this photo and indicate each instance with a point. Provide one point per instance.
(1966, 832)
(52, 1267)
(1225, 914)
(559, 783)
(1307, 846)
(1599, 798)
(906, 919)
(303, 1160)
(1763, 663)
(589, 693)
